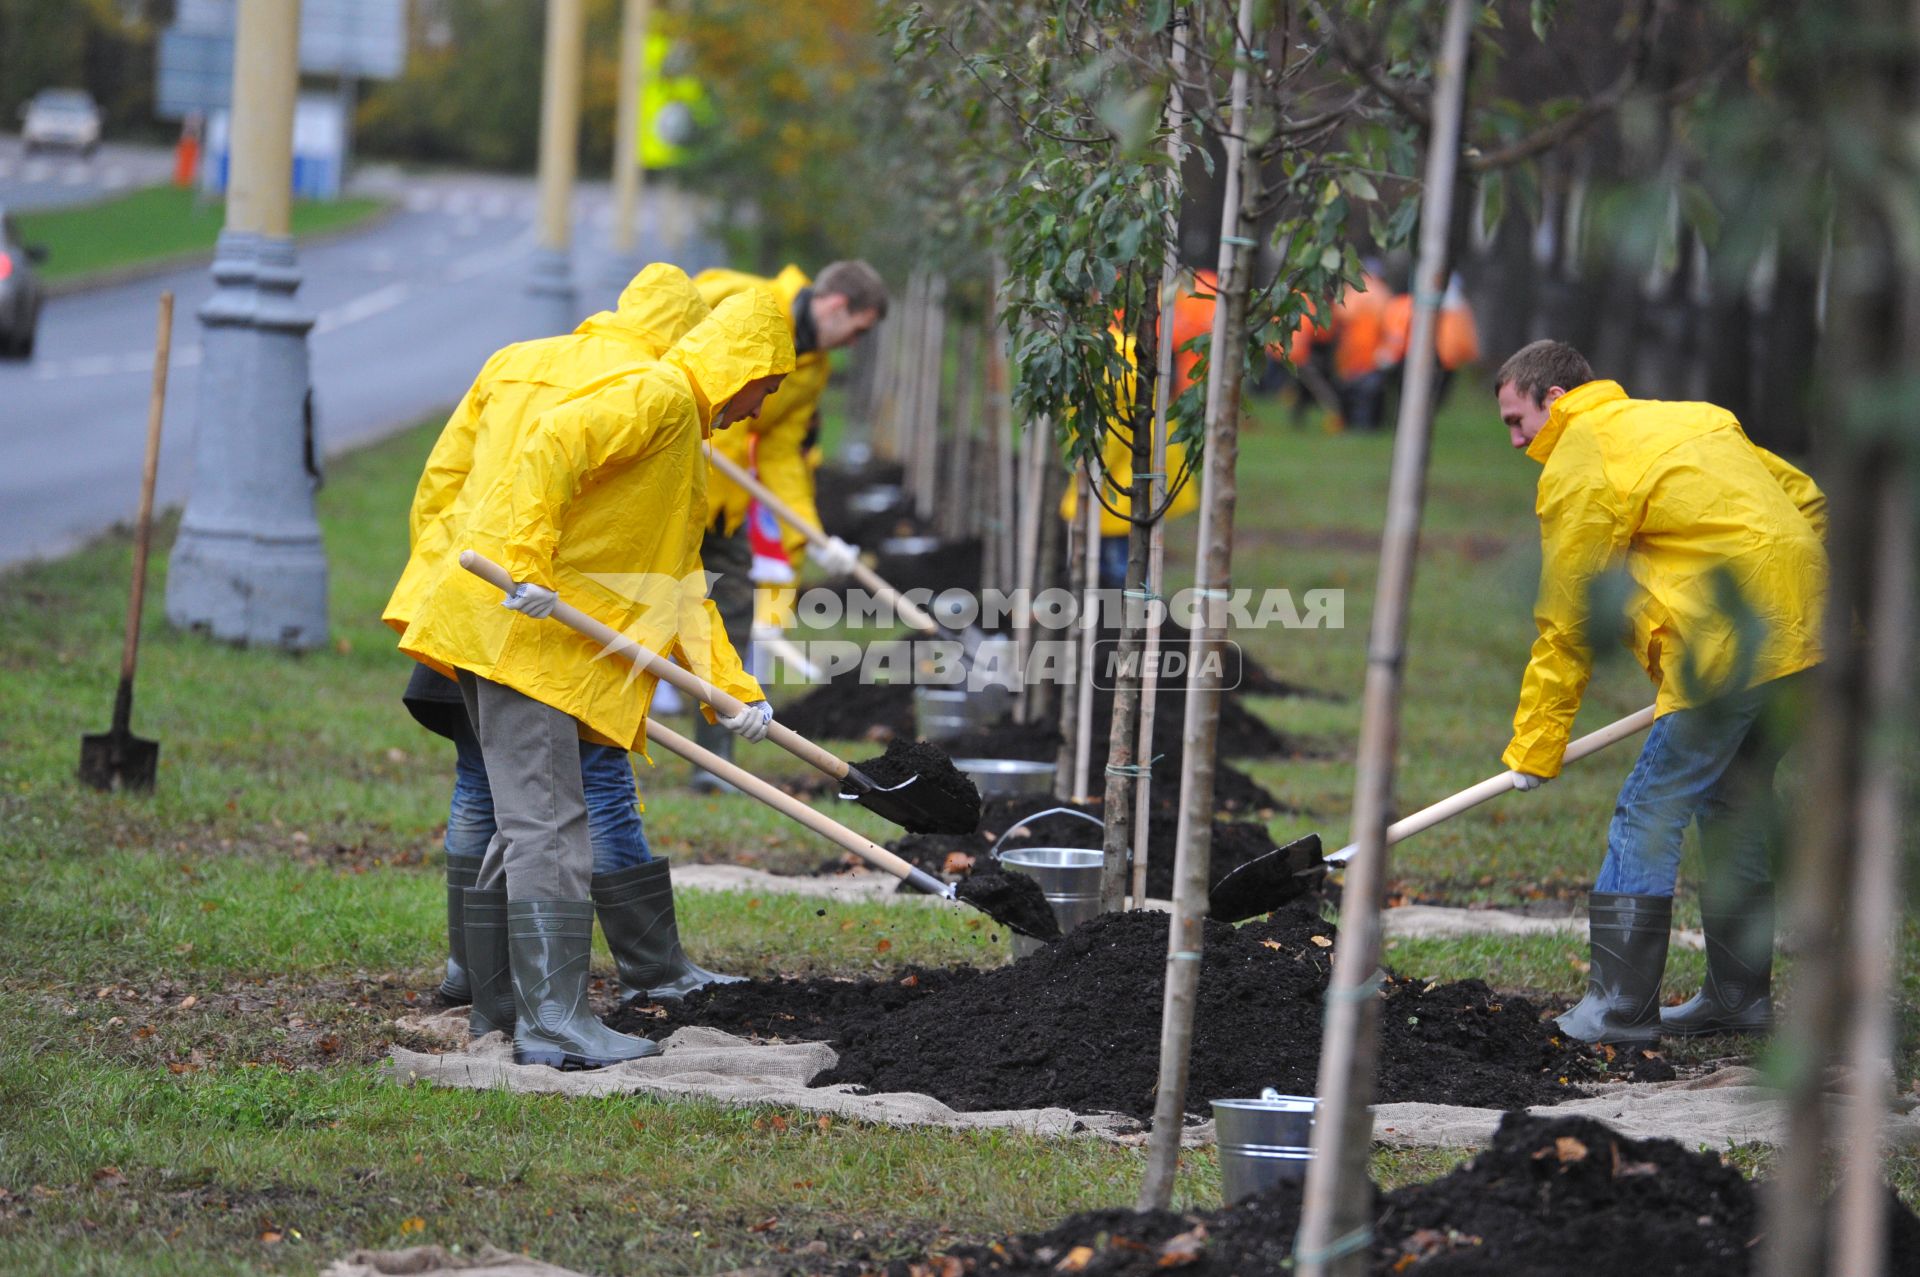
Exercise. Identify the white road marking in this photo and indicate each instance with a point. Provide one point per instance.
(365, 306)
(132, 362)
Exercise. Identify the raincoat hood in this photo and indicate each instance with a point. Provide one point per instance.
(1582, 397)
(746, 337)
(658, 306)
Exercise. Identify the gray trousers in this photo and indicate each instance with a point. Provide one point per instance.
(540, 848)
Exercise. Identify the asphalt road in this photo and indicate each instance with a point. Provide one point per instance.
(47, 179)
(407, 311)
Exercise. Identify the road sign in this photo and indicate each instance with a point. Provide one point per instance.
(357, 39)
(195, 73)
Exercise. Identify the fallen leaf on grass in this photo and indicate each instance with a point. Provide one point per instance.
(108, 1177)
(883, 946)
(189, 1002)
(766, 1225)
(271, 1237)
(823, 1123)
(413, 1224)
(144, 1032)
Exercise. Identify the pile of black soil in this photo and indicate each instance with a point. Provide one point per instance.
(1077, 1025)
(1014, 900)
(952, 565)
(1551, 1196)
(810, 1010)
(941, 800)
(849, 709)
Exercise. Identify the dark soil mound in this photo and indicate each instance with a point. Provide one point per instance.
(1552, 1196)
(942, 798)
(952, 565)
(1077, 1025)
(848, 709)
(804, 1009)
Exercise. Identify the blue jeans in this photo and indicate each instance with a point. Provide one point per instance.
(1714, 764)
(1113, 562)
(613, 815)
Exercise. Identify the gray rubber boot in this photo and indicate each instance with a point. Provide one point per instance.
(550, 943)
(1737, 995)
(462, 872)
(636, 913)
(485, 922)
(1627, 936)
(711, 736)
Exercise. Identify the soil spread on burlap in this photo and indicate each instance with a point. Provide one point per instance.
(1551, 1196)
(944, 799)
(1077, 1025)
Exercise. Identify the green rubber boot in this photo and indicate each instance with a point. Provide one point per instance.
(1627, 936)
(1737, 996)
(550, 943)
(485, 923)
(636, 913)
(462, 872)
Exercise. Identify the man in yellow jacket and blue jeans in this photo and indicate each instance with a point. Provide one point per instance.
(602, 501)
(1722, 543)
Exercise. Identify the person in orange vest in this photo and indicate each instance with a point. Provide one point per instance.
(1456, 338)
(1359, 364)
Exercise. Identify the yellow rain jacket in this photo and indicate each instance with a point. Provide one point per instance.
(782, 425)
(604, 505)
(1677, 492)
(1116, 458)
(484, 435)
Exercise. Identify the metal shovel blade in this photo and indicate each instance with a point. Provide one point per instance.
(118, 760)
(917, 807)
(1268, 882)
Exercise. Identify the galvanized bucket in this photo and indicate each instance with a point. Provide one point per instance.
(941, 713)
(1069, 877)
(1008, 777)
(878, 499)
(1263, 1142)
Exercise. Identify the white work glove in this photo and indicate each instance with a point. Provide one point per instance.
(1526, 781)
(532, 600)
(836, 557)
(751, 723)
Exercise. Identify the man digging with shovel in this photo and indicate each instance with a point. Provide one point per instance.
(1723, 543)
(601, 502)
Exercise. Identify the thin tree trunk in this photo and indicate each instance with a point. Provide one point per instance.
(1213, 580)
(1336, 1213)
(1027, 583)
(1089, 631)
(1044, 694)
(1155, 575)
(1067, 772)
(1000, 411)
(957, 509)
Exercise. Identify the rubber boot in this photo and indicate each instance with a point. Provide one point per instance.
(711, 736)
(485, 920)
(550, 943)
(636, 913)
(1737, 996)
(1627, 936)
(462, 872)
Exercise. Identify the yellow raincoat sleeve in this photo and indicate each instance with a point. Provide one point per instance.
(612, 424)
(1583, 529)
(451, 459)
(705, 649)
(782, 466)
(1800, 489)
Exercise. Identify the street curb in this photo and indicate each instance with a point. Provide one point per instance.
(134, 272)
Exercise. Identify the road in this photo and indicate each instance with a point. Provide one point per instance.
(48, 179)
(407, 311)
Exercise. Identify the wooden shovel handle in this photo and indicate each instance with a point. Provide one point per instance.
(787, 805)
(911, 613)
(1494, 786)
(143, 521)
(661, 668)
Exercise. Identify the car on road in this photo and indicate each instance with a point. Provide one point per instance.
(21, 294)
(61, 118)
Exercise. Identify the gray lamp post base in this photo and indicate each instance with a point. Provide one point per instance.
(249, 566)
(551, 284)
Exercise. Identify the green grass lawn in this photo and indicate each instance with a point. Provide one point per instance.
(200, 985)
(154, 224)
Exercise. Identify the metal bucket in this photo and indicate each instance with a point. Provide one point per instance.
(1263, 1142)
(878, 499)
(1008, 777)
(909, 547)
(1069, 877)
(941, 713)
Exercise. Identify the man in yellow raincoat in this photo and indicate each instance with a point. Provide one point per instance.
(485, 432)
(601, 502)
(834, 310)
(1722, 543)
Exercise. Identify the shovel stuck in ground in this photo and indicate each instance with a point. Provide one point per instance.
(919, 803)
(116, 758)
(1264, 884)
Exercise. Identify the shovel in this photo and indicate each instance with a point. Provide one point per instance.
(915, 617)
(1018, 913)
(916, 807)
(117, 759)
(1263, 884)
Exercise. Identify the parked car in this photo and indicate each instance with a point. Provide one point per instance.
(21, 294)
(61, 117)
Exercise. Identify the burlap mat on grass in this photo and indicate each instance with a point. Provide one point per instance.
(1726, 1107)
(434, 1261)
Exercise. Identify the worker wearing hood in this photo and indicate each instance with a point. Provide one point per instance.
(479, 443)
(604, 504)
